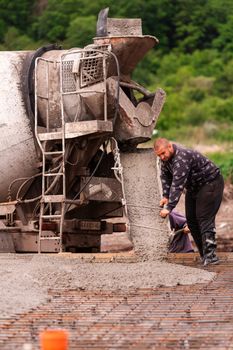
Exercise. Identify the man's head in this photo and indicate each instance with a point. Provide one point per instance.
(163, 149)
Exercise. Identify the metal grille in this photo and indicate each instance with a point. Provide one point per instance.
(92, 70)
(96, 48)
(181, 317)
(68, 80)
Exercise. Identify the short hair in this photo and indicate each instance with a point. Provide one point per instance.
(161, 142)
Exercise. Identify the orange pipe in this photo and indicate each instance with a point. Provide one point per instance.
(54, 339)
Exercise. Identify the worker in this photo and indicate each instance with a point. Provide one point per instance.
(179, 241)
(183, 168)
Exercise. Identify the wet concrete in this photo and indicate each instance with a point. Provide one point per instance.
(149, 231)
(26, 279)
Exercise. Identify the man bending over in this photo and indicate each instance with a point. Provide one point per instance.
(185, 168)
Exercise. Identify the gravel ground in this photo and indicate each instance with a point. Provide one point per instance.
(26, 279)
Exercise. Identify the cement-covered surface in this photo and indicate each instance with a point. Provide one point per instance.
(180, 317)
(26, 279)
(18, 155)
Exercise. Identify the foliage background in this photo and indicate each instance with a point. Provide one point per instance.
(193, 62)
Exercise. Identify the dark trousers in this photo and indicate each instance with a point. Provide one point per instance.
(201, 208)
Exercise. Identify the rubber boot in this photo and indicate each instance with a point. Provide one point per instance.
(209, 246)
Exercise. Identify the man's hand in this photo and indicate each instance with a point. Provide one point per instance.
(164, 213)
(186, 229)
(164, 201)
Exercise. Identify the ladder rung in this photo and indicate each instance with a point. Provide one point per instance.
(54, 174)
(54, 198)
(55, 152)
(56, 135)
(49, 238)
(57, 216)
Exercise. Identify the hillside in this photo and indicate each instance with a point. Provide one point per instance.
(193, 62)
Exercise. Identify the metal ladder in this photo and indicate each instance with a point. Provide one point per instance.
(68, 86)
(47, 199)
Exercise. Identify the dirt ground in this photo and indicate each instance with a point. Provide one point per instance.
(224, 221)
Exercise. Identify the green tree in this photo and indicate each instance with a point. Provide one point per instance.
(197, 22)
(224, 82)
(14, 40)
(81, 31)
(224, 41)
(50, 26)
(16, 13)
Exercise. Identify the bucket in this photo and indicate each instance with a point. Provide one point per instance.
(54, 339)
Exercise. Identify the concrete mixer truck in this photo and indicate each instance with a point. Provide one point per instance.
(65, 118)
